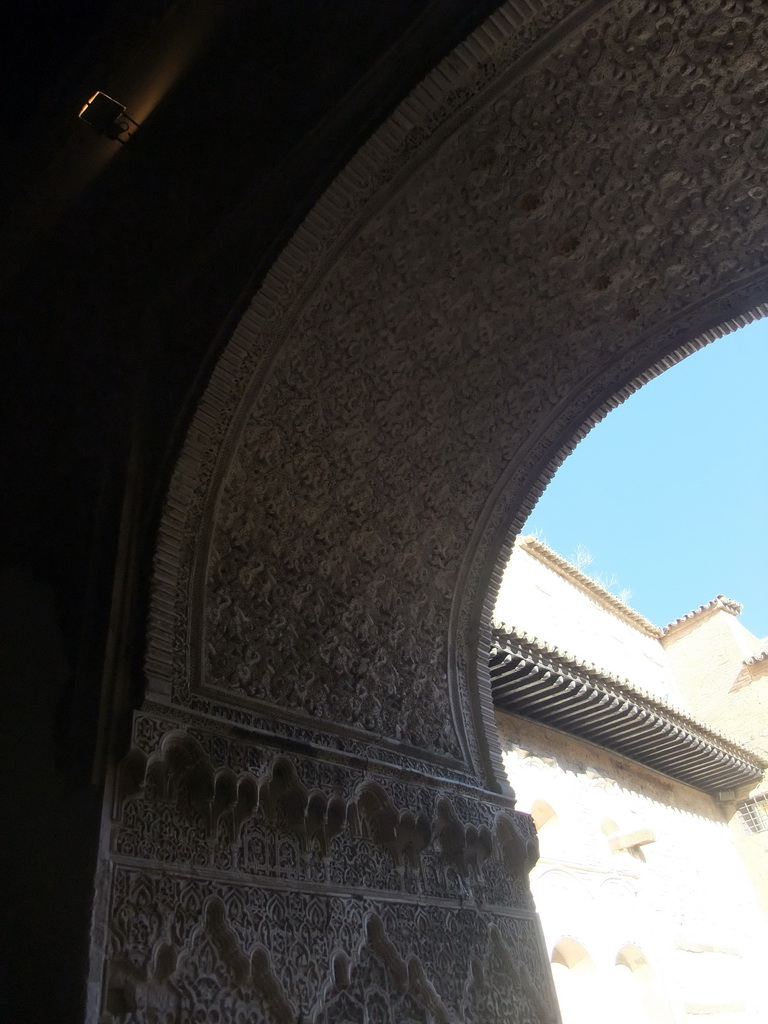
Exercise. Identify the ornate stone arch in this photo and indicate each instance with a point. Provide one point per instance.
(513, 217)
(572, 197)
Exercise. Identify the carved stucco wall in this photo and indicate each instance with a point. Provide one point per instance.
(574, 196)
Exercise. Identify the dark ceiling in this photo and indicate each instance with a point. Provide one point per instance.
(122, 269)
(122, 272)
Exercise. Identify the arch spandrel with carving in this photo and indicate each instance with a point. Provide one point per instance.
(575, 195)
(450, 314)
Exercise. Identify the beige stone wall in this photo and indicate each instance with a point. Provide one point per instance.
(707, 653)
(725, 685)
(669, 929)
(540, 601)
(753, 848)
(707, 663)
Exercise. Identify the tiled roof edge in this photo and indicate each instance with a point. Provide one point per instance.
(719, 602)
(567, 570)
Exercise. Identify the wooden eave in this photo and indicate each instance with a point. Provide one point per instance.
(535, 682)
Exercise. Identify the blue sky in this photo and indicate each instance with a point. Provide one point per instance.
(669, 493)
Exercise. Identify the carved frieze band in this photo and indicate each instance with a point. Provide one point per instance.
(191, 949)
(246, 885)
(229, 718)
(304, 821)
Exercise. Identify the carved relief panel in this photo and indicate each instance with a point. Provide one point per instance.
(194, 949)
(281, 888)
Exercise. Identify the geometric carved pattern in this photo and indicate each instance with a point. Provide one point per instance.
(192, 949)
(306, 890)
(213, 973)
(174, 808)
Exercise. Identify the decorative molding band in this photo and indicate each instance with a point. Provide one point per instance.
(536, 682)
(220, 817)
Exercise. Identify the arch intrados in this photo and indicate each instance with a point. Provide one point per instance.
(543, 814)
(565, 445)
(430, 110)
(500, 549)
(570, 953)
(632, 957)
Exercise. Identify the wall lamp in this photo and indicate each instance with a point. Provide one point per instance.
(108, 117)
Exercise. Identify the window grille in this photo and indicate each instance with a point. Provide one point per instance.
(754, 813)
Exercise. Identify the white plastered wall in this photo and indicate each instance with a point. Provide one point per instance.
(683, 900)
(536, 599)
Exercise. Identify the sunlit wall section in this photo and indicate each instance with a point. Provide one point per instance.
(552, 600)
(576, 981)
(640, 873)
